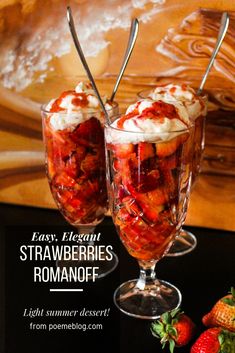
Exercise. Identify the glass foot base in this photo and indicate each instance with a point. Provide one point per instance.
(150, 303)
(105, 267)
(184, 243)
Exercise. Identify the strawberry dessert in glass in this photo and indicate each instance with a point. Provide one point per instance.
(194, 108)
(149, 156)
(73, 131)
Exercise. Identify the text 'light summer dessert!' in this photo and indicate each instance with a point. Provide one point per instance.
(74, 138)
(150, 150)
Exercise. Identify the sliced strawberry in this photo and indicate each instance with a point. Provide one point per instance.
(170, 162)
(170, 183)
(149, 205)
(60, 146)
(167, 148)
(122, 193)
(90, 132)
(139, 176)
(123, 217)
(131, 206)
(90, 164)
(63, 179)
(71, 166)
(123, 150)
(158, 197)
(145, 150)
(80, 153)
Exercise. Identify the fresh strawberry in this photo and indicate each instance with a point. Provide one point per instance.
(222, 313)
(167, 148)
(215, 340)
(175, 328)
(145, 150)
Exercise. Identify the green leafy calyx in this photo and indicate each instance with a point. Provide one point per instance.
(230, 300)
(227, 341)
(165, 330)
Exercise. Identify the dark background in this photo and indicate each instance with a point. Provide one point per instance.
(202, 277)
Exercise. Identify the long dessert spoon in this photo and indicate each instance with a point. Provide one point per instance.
(222, 31)
(82, 58)
(130, 46)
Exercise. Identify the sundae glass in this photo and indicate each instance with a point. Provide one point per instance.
(75, 159)
(148, 153)
(194, 108)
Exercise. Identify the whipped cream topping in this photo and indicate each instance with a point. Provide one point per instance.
(75, 107)
(68, 120)
(139, 127)
(147, 103)
(183, 97)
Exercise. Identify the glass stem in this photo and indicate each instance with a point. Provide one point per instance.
(147, 274)
(86, 230)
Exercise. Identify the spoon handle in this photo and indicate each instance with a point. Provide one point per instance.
(82, 58)
(222, 31)
(131, 43)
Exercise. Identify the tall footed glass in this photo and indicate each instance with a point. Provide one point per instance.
(185, 241)
(75, 166)
(148, 190)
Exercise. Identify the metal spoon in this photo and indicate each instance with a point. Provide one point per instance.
(82, 58)
(222, 31)
(131, 43)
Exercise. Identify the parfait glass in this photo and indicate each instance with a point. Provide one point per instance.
(185, 242)
(148, 193)
(75, 168)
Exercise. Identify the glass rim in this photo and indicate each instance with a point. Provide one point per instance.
(88, 111)
(107, 125)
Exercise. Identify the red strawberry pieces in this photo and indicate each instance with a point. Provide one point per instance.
(146, 187)
(76, 170)
(145, 150)
(167, 148)
(123, 150)
(142, 241)
(88, 133)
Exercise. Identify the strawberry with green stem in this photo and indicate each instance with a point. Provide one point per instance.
(215, 340)
(222, 313)
(174, 328)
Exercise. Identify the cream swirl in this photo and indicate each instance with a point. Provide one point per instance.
(74, 107)
(183, 97)
(138, 126)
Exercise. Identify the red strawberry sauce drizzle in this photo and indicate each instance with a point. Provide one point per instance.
(172, 90)
(79, 100)
(158, 111)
